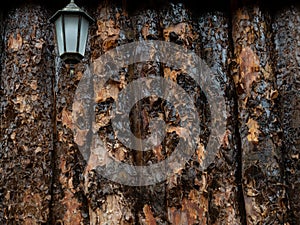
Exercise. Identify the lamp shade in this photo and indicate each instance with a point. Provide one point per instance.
(71, 28)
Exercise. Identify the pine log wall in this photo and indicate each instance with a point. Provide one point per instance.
(255, 176)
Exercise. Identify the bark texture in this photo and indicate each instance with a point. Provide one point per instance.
(224, 189)
(48, 175)
(26, 117)
(287, 71)
(260, 128)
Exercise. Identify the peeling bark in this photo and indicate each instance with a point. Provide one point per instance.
(2, 101)
(109, 202)
(69, 202)
(186, 190)
(26, 119)
(260, 129)
(150, 200)
(49, 165)
(288, 76)
(223, 191)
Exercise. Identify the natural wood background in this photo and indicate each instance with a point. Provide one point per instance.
(255, 178)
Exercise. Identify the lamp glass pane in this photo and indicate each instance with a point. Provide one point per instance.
(71, 32)
(83, 35)
(59, 35)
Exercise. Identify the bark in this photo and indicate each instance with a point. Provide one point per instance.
(109, 202)
(287, 70)
(260, 129)
(151, 200)
(69, 203)
(50, 164)
(26, 119)
(68, 199)
(2, 100)
(186, 189)
(226, 205)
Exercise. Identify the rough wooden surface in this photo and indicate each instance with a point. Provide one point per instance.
(224, 189)
(287, 71)
(68, 199)
(260, 129)
(110, 202)
(45, 177)
(26, 117)
(151, 200)
(181, 191)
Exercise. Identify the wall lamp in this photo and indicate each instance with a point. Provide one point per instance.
(71, 28)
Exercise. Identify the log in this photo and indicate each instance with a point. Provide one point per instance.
(186, 188)
(109, 201)
(286, 38)
(258, 117)
(27, 117)
(69, 201)
(57, 134)
(226, 204)
(150, 199)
